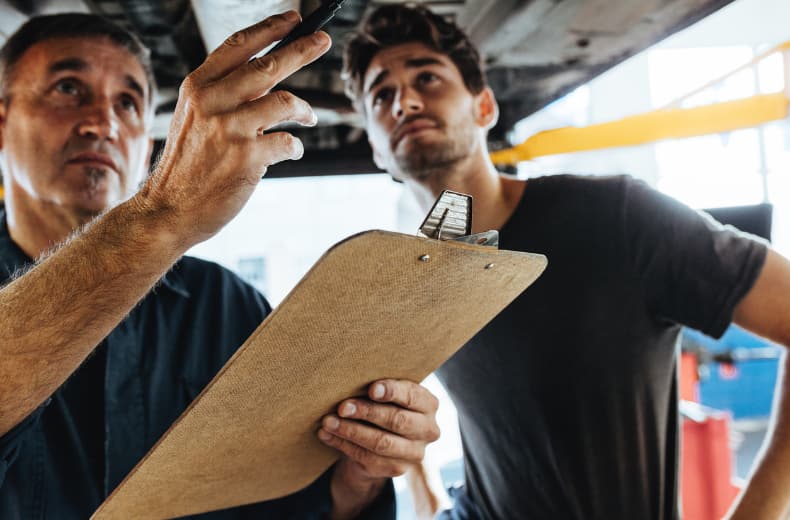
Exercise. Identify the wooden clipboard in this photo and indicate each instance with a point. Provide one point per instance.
(376, 305)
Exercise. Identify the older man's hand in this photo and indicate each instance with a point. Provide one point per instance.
(380, 437)
(217, 150)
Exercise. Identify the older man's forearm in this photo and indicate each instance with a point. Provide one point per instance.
(54, 315)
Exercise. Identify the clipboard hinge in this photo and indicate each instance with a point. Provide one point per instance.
(450, 219)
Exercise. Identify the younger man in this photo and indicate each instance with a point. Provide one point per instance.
(567, 401)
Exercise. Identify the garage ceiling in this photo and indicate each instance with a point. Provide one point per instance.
(535, 50)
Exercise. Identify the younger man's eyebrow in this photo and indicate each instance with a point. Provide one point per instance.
(421, 62)
(378, 79)
(413, 63)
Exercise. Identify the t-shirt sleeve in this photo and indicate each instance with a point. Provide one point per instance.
(692, 269)
(10, 442)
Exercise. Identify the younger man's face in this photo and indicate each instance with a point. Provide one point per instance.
(420, 116)
(73, 135)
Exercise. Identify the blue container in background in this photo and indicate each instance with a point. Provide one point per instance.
(747, 387)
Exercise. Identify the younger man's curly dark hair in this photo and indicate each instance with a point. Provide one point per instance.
(395, 24)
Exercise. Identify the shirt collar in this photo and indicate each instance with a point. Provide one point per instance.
(12, 258)
(175, 282)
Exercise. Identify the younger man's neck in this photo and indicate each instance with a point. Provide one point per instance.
(495, 196)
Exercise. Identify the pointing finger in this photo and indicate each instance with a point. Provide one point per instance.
(237, 49)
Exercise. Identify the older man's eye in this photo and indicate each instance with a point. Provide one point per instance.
(129, 104)
(68, 87)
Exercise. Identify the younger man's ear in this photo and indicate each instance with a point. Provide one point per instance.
(486, 109)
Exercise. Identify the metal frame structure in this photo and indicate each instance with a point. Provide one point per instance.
(669, 122)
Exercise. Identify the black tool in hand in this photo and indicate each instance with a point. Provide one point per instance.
(314, 22)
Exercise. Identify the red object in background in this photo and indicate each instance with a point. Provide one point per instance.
(706, 468)
(728, 371)
(689, 378)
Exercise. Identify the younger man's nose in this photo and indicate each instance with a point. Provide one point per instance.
(407, 102)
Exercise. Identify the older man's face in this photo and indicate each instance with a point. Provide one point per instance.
(73, 132)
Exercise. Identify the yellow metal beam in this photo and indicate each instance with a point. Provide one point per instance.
(674, 123)
(670, 122)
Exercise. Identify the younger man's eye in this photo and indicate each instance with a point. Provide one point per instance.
(382, 96)
(427, 77)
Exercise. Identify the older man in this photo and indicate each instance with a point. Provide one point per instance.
(86, 386)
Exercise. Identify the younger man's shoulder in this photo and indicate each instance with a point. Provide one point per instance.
(583, 181)
(586, 189)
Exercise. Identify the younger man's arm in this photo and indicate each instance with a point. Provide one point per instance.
(766, 311)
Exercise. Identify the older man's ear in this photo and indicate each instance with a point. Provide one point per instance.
(150, 161)
(2, 121)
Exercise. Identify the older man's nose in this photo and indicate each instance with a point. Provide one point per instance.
(99, 122)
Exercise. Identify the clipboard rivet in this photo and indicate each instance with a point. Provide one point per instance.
(425, 258)
(489, 266)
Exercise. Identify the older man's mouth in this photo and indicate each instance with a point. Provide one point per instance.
(93, 159)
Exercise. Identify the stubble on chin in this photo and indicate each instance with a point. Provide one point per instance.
(432, 161)
(96, 192)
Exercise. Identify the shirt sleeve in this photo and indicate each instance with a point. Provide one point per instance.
(693, 270)
(311, 503)
(315, 503)
(383, 507)
(10, 442)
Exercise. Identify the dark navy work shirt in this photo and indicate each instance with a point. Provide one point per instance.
(68, 455)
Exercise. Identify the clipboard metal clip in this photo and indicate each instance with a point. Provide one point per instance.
(450, 218)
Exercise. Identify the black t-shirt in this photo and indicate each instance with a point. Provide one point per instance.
(567, 401)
